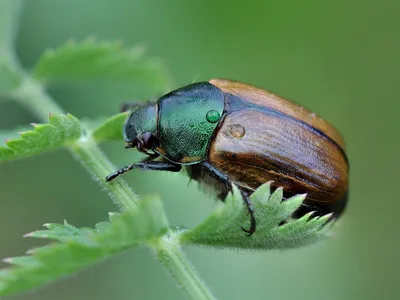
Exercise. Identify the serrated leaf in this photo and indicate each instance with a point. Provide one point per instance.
(100, 60)
(222, 228)
(9, 78)
(82, 247)
(61, 131)
(110, 129)
(11, 134)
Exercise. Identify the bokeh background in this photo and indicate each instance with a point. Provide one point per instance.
(339, 58)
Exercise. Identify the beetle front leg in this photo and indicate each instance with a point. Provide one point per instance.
(146, 165)
(245, 195)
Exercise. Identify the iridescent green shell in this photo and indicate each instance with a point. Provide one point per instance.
(187, 120)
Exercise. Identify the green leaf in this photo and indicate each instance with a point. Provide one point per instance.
(78, 248)
(222, 228)
(11, 134)
(9, 78)
(110, 129)
(108, 61)
(61, 131)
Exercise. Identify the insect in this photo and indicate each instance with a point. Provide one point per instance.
(226, 132)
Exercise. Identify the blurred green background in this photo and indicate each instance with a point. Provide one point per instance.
(339, 58)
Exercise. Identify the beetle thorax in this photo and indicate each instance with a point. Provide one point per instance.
(188, 118)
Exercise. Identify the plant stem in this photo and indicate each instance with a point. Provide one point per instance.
(9, 15)
(32, 95)
(96, 162)
(170, 255)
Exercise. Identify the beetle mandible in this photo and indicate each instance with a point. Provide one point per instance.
(226, 132)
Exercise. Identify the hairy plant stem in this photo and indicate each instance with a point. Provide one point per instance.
(32, 95)
(170, 255)
(96, 162)
(10, 11)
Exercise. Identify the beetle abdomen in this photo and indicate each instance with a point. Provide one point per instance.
(255, 144)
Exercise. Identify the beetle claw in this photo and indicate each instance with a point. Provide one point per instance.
(250, 211)
(249, 232)
(245, 230)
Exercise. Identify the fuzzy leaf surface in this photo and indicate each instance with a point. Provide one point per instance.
(108, 61)
(110, 129)
(222, 228)
(60, 131)
(78, 248)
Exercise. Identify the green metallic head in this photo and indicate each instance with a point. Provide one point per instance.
(140, 129)
(180, 126)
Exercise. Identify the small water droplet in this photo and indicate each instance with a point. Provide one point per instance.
(213, 116)
(237, 131)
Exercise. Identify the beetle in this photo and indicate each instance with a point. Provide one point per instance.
(226, 132)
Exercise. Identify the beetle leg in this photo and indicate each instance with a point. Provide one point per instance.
(146, 165)
(250, 209)
(245, 195)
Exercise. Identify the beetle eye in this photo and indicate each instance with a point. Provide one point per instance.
(149, 140)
